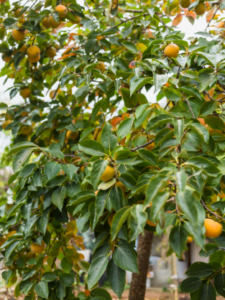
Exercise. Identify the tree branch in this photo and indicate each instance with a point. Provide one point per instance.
(134, 10)
(189, 106)
(142, 146)
(127, 20)
(216, 10)
(206, 208)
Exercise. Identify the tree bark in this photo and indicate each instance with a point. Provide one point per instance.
(138, 282)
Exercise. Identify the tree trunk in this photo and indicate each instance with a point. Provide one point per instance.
(138, 282)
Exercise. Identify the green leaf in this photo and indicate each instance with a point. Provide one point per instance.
(55, 153)
(116, 198)
(207, 292)
(100, 239)
(37, 178)
(186, 202)
(58, 197)
(158, 203)
(129, 101)
(100, 293)
(127, 180)
(219, 205)
(156, 184)
(200, 270)
(191, 285)
(42, 222)
(98, 168)
(140, 218)
(52, 169)
(20, 146)
(201, 131)
(208, 167)
(105, 185)
(196, 231)
(178, 129)
(207, 108)
(138, 84)
(189, 90)
(81, 197)
(108, 140)
(81, 92)
(97, 268)
(41, 289)
(217, 256)
(181, 179)
(148, 156)
(178, 239)
(66, 279)
(100, 203)
(172, 94)
(66, 264)
(124, 128)
(219, 283)
(11, 248)
(210, 58)
(215, 123)
(27, 170)
(21, 157)
(159, 81)
(125, 257)
(8, 22)
(49, 276)
(29, 274)
(60, 291)
(205, 79)
(118, 220)
(130, 46)
(92, 148)
(6, 275)
(116, 277)
(70, 170)
(209, 249)
(158, 121)
(140, 110)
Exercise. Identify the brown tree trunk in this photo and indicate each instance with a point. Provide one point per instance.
(138, 282)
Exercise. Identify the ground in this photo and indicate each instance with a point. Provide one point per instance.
(151, 294)
(157, 294)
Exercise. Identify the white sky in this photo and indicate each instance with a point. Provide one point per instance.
(185, 26)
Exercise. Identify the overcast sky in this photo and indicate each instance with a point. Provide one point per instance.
(185, 26)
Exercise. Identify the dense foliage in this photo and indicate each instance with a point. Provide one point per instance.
(98, 154)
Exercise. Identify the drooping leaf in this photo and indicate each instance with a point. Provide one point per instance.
(178, 239)
(125, 257)
(116, 277)
(97, 268)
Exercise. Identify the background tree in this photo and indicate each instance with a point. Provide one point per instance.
(99, 152)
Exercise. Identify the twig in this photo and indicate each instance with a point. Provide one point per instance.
(172, 199)
(178, 72)
(167, 104)
(127, 20)
(216, 273)
(142, 146)
(161, 20)
(53, 158)
(220, 100)
(189, 106)
(218, 7)
(134, 10)
(215, 214)
(88, 7)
